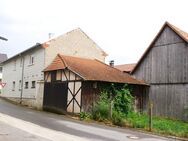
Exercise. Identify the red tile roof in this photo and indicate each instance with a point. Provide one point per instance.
(92, 70)
(125, 67)
(182, 34)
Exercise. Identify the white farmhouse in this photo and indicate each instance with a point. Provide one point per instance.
(23, 74)
(3, 57)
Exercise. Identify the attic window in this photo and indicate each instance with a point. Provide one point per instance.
(31, 60)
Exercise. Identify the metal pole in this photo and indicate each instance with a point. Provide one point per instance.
(150, 115)
(21, 95)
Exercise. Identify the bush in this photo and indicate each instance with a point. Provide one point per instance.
(85, 116)
(123, 101)
(118, 118)
(101, 108)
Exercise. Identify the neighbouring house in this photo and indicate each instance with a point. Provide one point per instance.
(164, 66)
(3, 57)
(23, 74)
(127, 68)
(72, 83)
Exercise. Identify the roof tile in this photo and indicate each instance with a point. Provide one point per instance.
(92, 70)
(125, 67)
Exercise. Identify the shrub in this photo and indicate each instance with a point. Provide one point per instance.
(123, 101)
(100, 109)
(85, 116)
(118, 118)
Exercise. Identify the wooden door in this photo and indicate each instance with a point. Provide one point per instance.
(55, 96)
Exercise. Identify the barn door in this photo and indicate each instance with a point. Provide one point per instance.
(74, 97)
(55, 96)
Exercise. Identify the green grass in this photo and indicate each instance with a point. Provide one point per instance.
(160, 125)
(135, 120)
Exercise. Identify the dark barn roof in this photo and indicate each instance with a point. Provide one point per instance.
(92, 70)
(182, 34)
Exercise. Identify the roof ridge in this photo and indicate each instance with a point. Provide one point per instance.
(178, 31)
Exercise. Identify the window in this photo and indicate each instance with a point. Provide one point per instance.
(14, 65)
(13, 86)
(26, 85)
(53, 76)
(31, 60)
(20, 85)
(33, 84)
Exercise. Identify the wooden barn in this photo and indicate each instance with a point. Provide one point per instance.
(164, 66)
(71, 83)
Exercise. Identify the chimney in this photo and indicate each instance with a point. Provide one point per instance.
(50, 35)
(111, 63)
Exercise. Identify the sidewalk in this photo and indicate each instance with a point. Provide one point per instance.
(10, 133)
(15, 128)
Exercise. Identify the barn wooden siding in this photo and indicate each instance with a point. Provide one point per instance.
(165, 67)
(140, 94)
(89, 95)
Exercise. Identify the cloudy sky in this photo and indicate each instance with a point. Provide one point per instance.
(123, 28)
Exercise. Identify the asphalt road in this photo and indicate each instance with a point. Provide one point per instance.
(59, 125)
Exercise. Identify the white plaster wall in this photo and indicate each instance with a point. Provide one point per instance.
(31, 73)
(9, 75)
(74, 43)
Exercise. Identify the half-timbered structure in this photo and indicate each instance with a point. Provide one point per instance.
(164, 66)
(71, 83)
